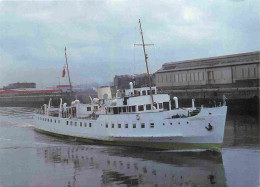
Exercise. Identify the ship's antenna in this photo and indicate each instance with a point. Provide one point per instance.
(146, 57)
(68, 71)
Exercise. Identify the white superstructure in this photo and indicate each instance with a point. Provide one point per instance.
(133, 120)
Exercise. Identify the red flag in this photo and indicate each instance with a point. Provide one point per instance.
(64, 71)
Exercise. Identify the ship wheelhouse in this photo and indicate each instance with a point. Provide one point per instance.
(138, 100)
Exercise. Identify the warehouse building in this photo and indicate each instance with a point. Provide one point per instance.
(237, 70)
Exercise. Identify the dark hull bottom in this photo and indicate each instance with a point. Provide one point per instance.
(159, 145)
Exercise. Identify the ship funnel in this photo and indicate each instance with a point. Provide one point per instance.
(131, 88)
(117, 94)
(176, 102)
(193, 103)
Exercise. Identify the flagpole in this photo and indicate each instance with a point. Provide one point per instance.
(68, 71)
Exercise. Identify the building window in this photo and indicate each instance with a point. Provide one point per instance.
(55, 121)
(148, 107)
(152, 125)
(144, 92)
(48, 120)
(88, 108)
(113, 125)
(85, 124)
(119, 126)
(71, 123)
(90, 124)
(58, 121)
(176, 78)
(67, 122)
(95, 107)
(134, 125)
(133, 109)
(126, 126)
(142, 125)
(140, 107)
(160, 105)
(210, 75)
(81, 124)
(75, 123)
(51, 120)
(124, 109)
(106, 125)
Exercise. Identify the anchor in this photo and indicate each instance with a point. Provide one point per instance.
(210, 127)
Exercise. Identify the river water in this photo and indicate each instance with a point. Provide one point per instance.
(28, 158)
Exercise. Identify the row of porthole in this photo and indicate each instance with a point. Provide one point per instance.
(80, 124)
(49, 120)
(126, 125)
(178, 123)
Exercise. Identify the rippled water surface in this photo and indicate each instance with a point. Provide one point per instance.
(28, 158)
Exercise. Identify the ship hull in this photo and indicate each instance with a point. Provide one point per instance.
(154, 130)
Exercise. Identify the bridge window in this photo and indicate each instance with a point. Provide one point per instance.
(166, 105)
(142, 125)
(119, 125)
(140, 107)
(148, 107)
(152, 125)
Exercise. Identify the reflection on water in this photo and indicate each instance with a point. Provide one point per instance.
(28, 158)
(131, 166)
(242, 131)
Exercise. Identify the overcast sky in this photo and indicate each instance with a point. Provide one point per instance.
(100, 36)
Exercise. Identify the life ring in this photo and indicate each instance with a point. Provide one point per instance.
(137, 117)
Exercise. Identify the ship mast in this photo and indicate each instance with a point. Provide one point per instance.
(68, 72)
(146, 57)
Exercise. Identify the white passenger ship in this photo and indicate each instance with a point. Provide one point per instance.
(142, 117)
(132, 120)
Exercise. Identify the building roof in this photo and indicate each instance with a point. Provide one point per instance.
(219, 61)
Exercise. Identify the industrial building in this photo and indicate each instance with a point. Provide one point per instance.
(19, 85)
(237, 70)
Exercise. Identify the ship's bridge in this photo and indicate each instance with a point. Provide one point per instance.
(140, 91)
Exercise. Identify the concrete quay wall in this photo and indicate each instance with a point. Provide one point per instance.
(32, 100)
(239, 100)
